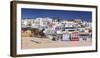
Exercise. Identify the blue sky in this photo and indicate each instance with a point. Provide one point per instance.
(61, 14)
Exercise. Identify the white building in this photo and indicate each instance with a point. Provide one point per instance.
(87, 24)
(26, 22)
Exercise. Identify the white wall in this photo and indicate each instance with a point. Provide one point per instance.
(5, 29)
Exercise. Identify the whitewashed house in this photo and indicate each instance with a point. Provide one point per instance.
(27, 22)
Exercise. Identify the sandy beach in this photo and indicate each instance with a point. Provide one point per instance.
(33, 43)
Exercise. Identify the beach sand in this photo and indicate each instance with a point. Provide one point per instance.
(37, 43)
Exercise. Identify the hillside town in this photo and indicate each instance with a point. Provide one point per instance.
(57, 29)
